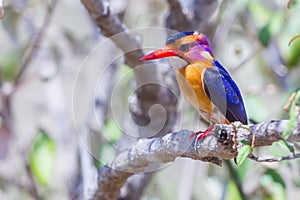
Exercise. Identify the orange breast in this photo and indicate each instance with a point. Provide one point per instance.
(191, 85)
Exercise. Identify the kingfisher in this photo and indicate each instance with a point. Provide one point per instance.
(202, 80)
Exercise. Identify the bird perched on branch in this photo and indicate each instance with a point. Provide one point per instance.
(203, 81)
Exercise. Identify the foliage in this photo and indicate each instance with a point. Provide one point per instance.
(42, 157)
(243, 153)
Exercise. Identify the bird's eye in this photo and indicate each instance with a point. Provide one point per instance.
(184, 47)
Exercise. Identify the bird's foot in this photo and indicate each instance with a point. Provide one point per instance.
(202, 134)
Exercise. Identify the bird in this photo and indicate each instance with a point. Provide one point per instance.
(202, 80)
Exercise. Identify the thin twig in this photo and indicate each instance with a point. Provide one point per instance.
(289, 101)
(252, 144)
(259, 159)
(36, 43)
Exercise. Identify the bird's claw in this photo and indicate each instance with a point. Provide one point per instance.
(201, 134)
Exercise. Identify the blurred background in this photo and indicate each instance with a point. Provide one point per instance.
(63, 98)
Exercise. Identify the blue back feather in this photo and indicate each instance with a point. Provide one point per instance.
(224, 93)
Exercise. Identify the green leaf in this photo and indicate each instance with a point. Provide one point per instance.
(276, 177)
(293, 116)
(244, 142)
(242, 154)
(42, 158)
(273, 184)
(276, 22)
(286, 145)
(243, 169)
(264, 35)
(232, 192)
(107, 154)
(9, 65)
(290, 127)
(111, 131)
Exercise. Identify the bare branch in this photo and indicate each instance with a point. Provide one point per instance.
(110, 25)
(146, 154)
(6, 127)
(36, 42)
(258, 159)
(203, 13)
(135, 185)
(109, 183)
(176, 19)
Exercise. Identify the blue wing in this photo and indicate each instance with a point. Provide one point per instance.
(224, 93)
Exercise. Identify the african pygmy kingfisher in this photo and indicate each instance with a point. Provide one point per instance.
(202, 80)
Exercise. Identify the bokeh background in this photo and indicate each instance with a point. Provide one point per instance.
(52, 83)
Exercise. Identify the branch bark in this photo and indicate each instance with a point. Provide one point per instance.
(176, 19)
(204, 15)
(111, 25)
(146, 154)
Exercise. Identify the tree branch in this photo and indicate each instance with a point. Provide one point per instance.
(289, 157)
(36, 42)
(204, 18)
(176, 19)
(110, 25)
(147, 154)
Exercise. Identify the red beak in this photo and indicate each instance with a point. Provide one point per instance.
(160, 53)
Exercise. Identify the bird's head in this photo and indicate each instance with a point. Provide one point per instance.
(184, 48)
